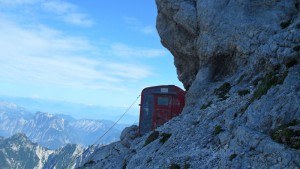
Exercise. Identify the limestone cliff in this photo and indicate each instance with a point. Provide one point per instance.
(217, 38)
(239, 61)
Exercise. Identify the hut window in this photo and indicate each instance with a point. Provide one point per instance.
(163, 101)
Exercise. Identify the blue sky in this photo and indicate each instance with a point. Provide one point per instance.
(91, 52)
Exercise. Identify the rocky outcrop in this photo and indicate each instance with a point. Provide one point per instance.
(218, 38)
(239, 61)
(114, 155)
(128, 135)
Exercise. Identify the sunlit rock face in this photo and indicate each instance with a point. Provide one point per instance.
(220, 37)
(239, 60)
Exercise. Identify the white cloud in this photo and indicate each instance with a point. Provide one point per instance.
(123, 50)
(136, 25)
(54, 9)
(58, 6)
(78, 19)
(18, 2)
(129, 71)
(148, 30)
(67, 12)
(41, 55)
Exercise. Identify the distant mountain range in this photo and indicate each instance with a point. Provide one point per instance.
(76, 110)
(54, 131)
(18, 152)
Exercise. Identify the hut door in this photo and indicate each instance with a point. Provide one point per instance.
(147, 109)
(162, 109)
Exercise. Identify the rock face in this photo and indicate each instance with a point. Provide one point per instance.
(217, 38)
(128, 135)
(239, 61)
(18, 152)
(115, 155)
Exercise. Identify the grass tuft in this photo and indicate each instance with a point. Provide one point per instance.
(241, 79)
(296, 48)
(291, 63)
(285, 135)
(153, 136)
(218, 130)
(270, 80)
(186, 165)
(91, 162)
(174, 166)
(232, 156)
(223, 90)
(165, 137)
(243, 92)
(204, 106)
(285, 24)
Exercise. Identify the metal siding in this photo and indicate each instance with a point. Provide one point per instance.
(162, 113)
(151, 115)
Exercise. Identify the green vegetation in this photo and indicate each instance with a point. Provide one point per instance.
(297, 48)
(285, 135)
(124, 164)
(149, 160)
(270, 80)
(243, 92)
(174, 166)
(196, 122)
(285, 24)
(232, 156)
(153, 136)
(267, 82)
(204, 106)
(241, 79)
(165, 137)
(256, 81)
(218, 130)
(186, 165)
(91, 162)
(291, 63)
(223, 90)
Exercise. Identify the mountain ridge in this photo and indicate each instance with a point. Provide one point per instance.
(54, 131)
(19, 152)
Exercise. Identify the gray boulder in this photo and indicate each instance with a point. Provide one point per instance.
(128, 135)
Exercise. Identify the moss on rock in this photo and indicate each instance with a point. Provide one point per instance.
(285, 24)
(223, 90)
(270, 80)
(153, 136)
(288, 134)
(174, 166)
(243, 92)
(232, 156)
(218, 130)
(204, 106)
(297, 48)
(165, 137)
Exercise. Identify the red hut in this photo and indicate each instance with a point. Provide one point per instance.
(158, 105)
